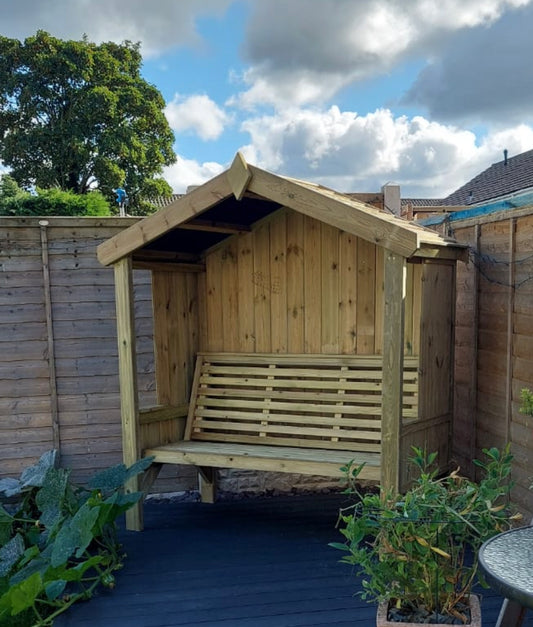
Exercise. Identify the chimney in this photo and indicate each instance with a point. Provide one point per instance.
(505, 153)
(391, 198)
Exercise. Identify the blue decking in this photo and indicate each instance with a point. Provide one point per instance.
(254, 562)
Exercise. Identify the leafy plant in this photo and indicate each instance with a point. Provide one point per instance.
(526, 396)
(58, 541)
(420, 548)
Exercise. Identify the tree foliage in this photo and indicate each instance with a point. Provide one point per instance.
(49, 202)
(78, 116)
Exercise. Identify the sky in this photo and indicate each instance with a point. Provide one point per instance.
(352, 94)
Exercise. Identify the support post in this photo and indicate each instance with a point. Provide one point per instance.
(128, 381)
(207, 484)
(393, 347)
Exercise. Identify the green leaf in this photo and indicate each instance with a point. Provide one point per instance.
(50, 497)
(139, 466)
(54, 589)
(21, 596)
(109, 479)
(10, 553)
(34, 475)
(6, 524)
(75, 535)
(10, 487)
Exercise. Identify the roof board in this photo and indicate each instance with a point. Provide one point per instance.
(326, 205)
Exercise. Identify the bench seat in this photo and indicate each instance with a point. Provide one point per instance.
(307, 414)
(307, 461)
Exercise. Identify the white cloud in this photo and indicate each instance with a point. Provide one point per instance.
(304, 51)
(187, 172)
(197, 113)
(159, 25)
(350, 152)
(484, 74)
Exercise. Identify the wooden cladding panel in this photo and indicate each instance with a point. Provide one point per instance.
(297, 285)
(436, 332)
(81, 306)
(176, 339)
(494, 347)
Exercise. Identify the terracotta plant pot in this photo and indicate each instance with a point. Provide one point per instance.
(475, 615)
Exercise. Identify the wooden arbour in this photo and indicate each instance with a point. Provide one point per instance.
(254, 262)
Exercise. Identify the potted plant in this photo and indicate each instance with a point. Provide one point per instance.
(417, 552)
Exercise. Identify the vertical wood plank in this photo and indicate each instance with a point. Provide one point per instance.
(128, 380)
(312, 285)
(202, 311)
(215, 329)
(329, 276)
(246, 293)
(417, 306)
(436, 327)
(366, 295)
(510, 315)
(278, 281)
(262, 288)
(161, 304)
(295, 282)
(393, 343)
(378, 306)
(348, 293)
(409, 299)
(54, 405)
(230, 296)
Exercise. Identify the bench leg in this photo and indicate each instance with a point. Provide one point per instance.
(149, 476)
(207, 484)
(512, 614)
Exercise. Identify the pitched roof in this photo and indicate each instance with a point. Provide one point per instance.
(244, 194)
(505, 177)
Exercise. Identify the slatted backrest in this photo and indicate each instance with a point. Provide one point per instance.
(316, 401)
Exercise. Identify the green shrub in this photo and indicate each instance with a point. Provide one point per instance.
(55, 202)
(58, 540)
(419, 549)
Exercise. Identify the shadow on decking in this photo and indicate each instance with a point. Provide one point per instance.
(254, 562)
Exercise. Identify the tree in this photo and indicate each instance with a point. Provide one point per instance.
(49, 202)
(78, 116)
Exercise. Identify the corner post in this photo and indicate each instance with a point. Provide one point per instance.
(393, 348)
(128, 381)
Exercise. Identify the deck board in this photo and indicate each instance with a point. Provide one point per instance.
(262, 562)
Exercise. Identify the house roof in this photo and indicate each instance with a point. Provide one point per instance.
(505, 177)
(501, 179)
(243, 195)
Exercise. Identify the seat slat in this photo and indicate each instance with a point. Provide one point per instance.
(288, 383)
(303, 421)
(270, 428)
(322, 403)
(302, 408)
(292, 441)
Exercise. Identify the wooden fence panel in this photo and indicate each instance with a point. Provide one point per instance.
(58, 346)
(494, 342)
